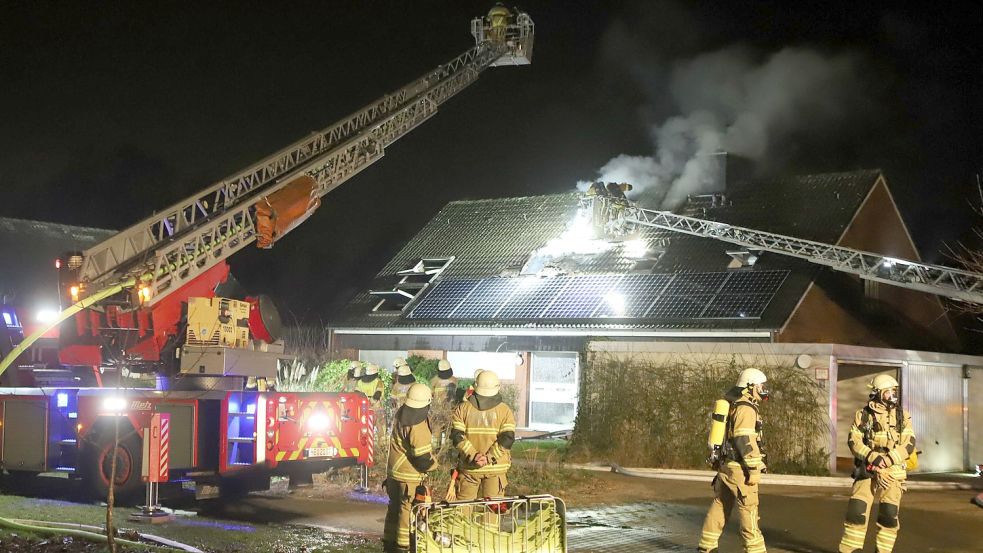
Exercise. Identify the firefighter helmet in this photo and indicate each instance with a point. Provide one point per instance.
(371, 369)
(398, 362)
(477, 372)
(883, 382)
(487, 384)
(403, 370)
(443, 365)
(419, 395)
(750, 377)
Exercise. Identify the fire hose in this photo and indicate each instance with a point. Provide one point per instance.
(84, 303)
(83, 532)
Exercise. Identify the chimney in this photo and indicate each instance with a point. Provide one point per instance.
(723, 168)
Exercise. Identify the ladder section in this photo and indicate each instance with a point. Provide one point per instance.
(184, 240)
(619, 216)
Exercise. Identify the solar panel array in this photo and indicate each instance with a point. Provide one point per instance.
(719, 295)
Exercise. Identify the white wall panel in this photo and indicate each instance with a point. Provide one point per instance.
(933, 395)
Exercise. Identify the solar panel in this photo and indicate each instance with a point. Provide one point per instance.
(443, 298)
(721, 295)
(695, 283)
(486, 299)
(733, 306)
(532, 296)
(632, 296)
(581, 296)
(679, 307)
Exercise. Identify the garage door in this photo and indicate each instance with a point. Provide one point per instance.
(933, 394)
(553, 381)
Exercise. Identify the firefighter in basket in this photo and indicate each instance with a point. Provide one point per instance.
(735, 451)
(883, 445)
(411, 457)
(483, 431)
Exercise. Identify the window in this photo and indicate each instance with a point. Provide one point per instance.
(412, 281)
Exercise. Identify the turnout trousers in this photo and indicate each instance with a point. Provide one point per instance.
(730, 489)
(396, 534)
(474, 486)
(862, 498)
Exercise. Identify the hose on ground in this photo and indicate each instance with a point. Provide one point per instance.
(98, 529)
(37, 527)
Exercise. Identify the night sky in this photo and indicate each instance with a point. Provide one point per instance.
(112, 110)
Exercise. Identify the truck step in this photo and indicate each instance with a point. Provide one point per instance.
(242, 440)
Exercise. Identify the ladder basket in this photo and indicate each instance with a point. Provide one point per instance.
(525, 524)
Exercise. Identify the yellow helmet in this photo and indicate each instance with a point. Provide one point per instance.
(419, 395)
(403, 370)
(487, 384)
(477, 372)
(371, 369)
(443, 365)
(883, 382)
(398, 362)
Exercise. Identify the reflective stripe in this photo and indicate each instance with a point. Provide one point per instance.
(744, 432)
(419, 451)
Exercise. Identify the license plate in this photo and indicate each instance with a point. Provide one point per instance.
(322, 452)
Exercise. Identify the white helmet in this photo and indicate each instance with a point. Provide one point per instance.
(398, 362)
(354, 365)
(403, 370)
(750, 377)
(884, 388)
(443, 365)
(487, 384)
(419, 395)
(371, 369)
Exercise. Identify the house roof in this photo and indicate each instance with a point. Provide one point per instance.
(29, 248)
(683, 282)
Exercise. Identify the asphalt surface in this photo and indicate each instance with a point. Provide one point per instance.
(664, 515)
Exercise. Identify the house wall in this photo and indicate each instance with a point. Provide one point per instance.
(974, 419)
(877, 227)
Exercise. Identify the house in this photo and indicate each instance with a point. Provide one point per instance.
(519, 286)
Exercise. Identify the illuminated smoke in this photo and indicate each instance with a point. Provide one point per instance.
(736, 101)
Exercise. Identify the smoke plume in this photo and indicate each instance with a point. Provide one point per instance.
(766, 108)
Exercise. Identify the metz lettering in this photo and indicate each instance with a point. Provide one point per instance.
(140, 405)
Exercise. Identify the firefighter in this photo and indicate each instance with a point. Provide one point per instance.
(483, 433)
(740, 468)
(401, 386)
(410, 459)
(444, 385)
(498, 18)
(351, 378)
(371, 384)
(881, 440)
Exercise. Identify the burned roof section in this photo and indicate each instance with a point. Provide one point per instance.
(523, 262)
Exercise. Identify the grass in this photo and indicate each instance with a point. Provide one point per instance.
(555, 450)
(215, 536)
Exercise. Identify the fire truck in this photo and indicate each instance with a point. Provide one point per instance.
(153, 304)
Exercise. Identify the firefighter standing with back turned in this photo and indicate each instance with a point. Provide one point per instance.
(740, 467)
(881, 440)
(483, 433)
(410, 459)
(371, 384)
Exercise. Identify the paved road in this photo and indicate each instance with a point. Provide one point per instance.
(665, 516)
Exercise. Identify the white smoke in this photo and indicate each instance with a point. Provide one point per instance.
(736, 101)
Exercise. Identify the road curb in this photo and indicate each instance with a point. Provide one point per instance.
(768, 479)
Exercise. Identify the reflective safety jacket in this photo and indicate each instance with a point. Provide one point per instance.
(483, 425)
(397, 394)
(372, 389)
(410, 446)
(876, 432)
(743, 438)
(444, 389)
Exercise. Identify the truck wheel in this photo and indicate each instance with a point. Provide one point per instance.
(96, 465)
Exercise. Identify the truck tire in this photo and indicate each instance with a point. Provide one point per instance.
(96, 463)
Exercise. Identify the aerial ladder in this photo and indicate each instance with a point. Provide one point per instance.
(615, 215)
(150, 301)
(142, 277)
